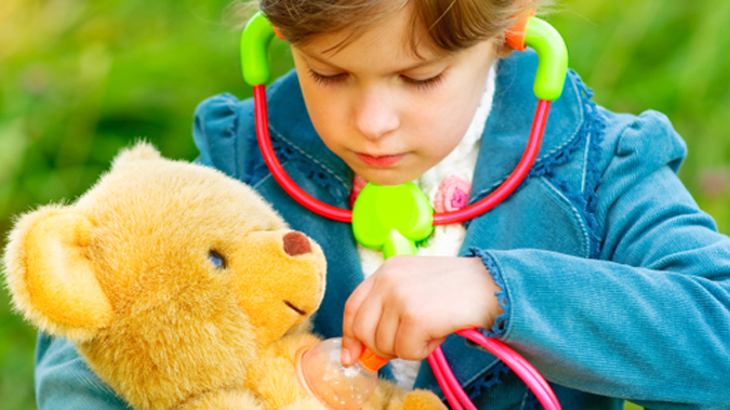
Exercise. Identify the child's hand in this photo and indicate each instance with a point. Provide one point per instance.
(411, 303)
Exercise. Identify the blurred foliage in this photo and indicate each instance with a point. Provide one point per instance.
(80, 79)
(668, 56)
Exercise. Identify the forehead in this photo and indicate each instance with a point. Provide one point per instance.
(397, 38)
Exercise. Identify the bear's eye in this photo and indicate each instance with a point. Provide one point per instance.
(217, 259)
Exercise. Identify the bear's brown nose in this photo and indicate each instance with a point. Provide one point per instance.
(296, 243)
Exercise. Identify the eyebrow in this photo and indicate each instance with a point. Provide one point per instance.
(423, 63)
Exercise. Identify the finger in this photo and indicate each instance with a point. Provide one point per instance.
(433, 344)
(351, 350)
(351, 347)
(366, 322)
(386, 332)
(352, 306)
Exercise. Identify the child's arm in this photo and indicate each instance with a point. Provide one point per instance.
(657, 335)
(647, 320)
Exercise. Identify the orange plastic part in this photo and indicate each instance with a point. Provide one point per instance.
(371, 361)
(515, 36)
(277, 32)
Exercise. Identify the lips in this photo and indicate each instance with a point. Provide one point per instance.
(380, 161)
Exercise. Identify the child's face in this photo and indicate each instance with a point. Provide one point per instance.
(390, 115)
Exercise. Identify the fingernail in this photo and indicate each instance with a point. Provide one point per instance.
(345, 357)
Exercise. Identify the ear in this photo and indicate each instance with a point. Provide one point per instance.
(51, 280)
(503, 50)
(141, 150)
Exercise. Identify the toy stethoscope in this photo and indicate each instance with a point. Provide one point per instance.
(394, 218)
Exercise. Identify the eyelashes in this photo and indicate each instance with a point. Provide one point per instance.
(331, 80)
(424, 84)
(326, 79)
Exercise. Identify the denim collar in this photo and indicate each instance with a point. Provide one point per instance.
(510, 121)
(503, 139)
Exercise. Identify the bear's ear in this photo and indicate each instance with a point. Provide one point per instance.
(51, 280)
(141, 150)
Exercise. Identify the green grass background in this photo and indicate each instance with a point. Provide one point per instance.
(81, 79)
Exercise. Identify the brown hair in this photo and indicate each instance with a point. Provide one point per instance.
(451, 25)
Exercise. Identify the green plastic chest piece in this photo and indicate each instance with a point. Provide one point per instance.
(392, 218)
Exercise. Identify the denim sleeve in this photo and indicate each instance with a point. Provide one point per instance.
(63, 380)
(648, 321)
(223, 132)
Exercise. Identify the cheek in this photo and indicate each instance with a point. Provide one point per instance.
(329, 128)
(440, 123)
(324, 112)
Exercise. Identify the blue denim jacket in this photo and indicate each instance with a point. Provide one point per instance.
(616, 286)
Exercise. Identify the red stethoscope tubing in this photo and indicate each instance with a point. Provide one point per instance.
(455, 395)
(513, 180)
(345, 215)
(280, 175)
(459, 400)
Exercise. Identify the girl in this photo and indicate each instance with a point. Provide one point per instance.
(600, 269)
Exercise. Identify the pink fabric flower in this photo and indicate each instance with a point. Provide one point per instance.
(358, 183)
(453, 194)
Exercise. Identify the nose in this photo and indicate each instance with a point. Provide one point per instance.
(296, 243)
(376, 114)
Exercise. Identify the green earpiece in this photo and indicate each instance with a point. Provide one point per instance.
(255, 40)
(553, 58)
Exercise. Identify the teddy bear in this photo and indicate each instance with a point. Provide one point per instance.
(180, 286)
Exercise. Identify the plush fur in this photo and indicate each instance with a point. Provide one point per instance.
(180, 286)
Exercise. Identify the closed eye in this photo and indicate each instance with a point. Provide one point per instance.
(425, 83)
(327, 79)
(218, 261)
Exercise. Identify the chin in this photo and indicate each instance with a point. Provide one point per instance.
(395, 175)
(387, 177)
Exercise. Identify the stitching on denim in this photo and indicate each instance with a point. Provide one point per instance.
(314, 169)
(327, 180)
(311, 158)
(531, 401)
(577, 202)
(501, 322)
(586, 153)
(559, 157)
(261, 181)
(595, 127)
(559, 150)
(490, 379)
(591, 133)
(524, 399)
